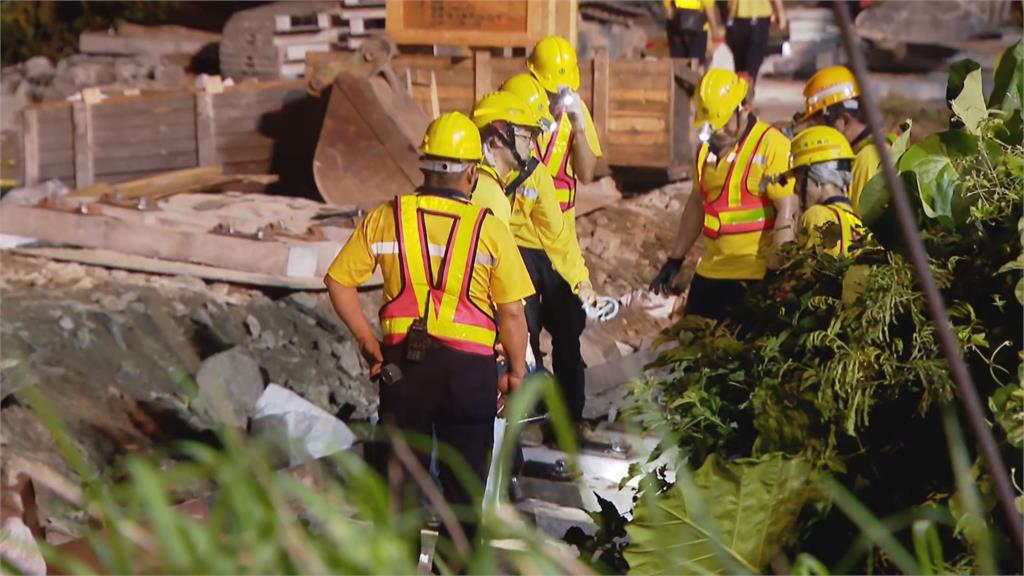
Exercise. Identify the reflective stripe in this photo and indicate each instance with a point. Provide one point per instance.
(379, 248)
(382, 248)
(845, 89)
(745, 216)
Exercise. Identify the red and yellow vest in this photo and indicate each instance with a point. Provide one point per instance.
(557, 156)
(452, 317)
(736, 209)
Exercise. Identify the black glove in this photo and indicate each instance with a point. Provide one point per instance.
(662, 283)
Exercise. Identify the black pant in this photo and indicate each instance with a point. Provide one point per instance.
(717, 299)
(556, 309)
(452, 395)
(747, 38)
(686, 43)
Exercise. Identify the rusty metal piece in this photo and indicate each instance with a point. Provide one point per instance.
(85, 208)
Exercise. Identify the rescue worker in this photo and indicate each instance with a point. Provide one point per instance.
(687, 23)
(747, 28)
(821, 165)
(739, 202)
(454, 283)
(509, 127)
(832, 98)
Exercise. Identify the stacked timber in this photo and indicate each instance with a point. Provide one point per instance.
(270, 42)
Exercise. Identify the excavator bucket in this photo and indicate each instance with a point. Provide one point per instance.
(367, 148)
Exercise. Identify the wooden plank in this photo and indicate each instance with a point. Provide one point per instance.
(636, 124)
(206, 152)
(30, 149)
(57, 157)
(616, 138)
(130, 150)
(297, 259)
(119, 260)
(243, 140)
(135, 121)
(639, 156)
(169, 161)
(481, 74)
(148, 137)
(163, 184)
(82, 117)
(120, 107)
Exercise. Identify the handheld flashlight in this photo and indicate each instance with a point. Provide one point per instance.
(705, 132)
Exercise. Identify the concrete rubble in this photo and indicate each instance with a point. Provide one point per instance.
(120, 354)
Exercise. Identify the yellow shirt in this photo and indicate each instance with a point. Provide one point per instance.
(866, 164)
(750, 8)
(688, 4)
(499, 275)
(744, 256)
(816, 233)
(492, 196)
(536, 221)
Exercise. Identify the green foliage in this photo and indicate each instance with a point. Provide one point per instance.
(839, 366)
(1008, 89)
(51, 28)
(725, 518)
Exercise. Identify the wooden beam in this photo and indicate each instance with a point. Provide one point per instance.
(481, 74)
(206, 142)
(291, 259)
(30, 148)
(81, 114)
(122, 261)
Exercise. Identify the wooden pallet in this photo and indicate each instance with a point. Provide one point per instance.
(249, 128)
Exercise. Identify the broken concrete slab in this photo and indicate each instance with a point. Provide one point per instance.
(230, 386)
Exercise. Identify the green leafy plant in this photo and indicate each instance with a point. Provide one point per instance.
(839, 368)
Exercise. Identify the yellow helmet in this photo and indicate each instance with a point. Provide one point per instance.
(452, 135)
(818, 144)
(719, 95)
(553, 63)
(504, 106)
(829, 86)
(529, 89)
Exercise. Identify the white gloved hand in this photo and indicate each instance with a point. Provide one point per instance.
(586, 293)
(573, 106)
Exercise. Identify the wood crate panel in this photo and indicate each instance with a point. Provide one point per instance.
(160, 162)
(113, 134)
(129, 151)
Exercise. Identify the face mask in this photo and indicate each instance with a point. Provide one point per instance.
(489, 155)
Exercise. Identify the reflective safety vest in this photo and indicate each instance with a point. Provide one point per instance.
(557, 157)
(736, 209)
(452, 317)
(688, 4)
(850, 226)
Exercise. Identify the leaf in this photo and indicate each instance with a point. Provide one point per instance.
(965, 95)
(930, 163)
(1008, 80)
(902, 142)
(1007, 405)
(731, 516)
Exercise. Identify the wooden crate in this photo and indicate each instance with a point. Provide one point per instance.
(255, 127)
(480, 23)
(643, 119)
